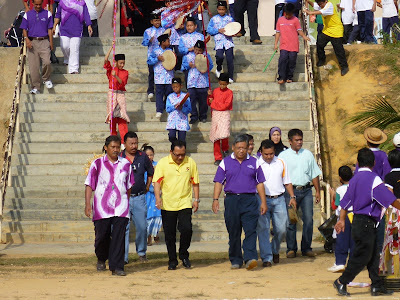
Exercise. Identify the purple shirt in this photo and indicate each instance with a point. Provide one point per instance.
(367, 194)
(382, 166)
(37, 23)
(73, 27)
(110, 183)
(239, 178)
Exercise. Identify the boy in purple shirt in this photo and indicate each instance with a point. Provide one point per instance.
(242, 177)
(368, 195)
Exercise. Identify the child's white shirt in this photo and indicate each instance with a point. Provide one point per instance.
(389, 9)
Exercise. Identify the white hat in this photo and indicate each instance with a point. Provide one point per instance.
(396, 140)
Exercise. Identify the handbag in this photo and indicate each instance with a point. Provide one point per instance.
(53, 57)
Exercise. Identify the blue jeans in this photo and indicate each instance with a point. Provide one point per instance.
(278, 213)
(241, 212)
(138, 211)
(304, 199)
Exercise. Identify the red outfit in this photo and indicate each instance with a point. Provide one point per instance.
(121, 73)
(217, 148)
(288, 28)
(222, 99)
(122, 127)
(44, 3)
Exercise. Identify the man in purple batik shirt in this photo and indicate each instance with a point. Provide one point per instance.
(242, 177)
(111, 179)
(368, 195)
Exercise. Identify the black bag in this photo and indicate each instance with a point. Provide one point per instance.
(53, 58)
(15, 34)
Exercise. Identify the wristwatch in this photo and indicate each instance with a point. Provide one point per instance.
(293, 197)
(197, 200)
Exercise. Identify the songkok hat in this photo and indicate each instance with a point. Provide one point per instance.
(163, 38)
(375, 135)
(119, 57)
(176, 80)
(199, 44)
(155, 16)
(224, 77)
(396, 140)
(222, 3)
(191, 19)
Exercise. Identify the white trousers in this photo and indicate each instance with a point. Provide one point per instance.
(70, 48)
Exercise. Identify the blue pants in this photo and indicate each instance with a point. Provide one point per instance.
(241, 211)
(278, 213)
(304, 199)
(162, 92)
(172, 135)
(198, 97)
(150, 89)
(138, 211)
(344, 244)
(366, 23)
(232, 10)
(219, 56)
(355, 34)
(387, 24)
(286, 65)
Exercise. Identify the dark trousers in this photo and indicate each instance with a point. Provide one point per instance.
(323, 40)
(287, 65)
(366, 23)
(344, 244)
(278, 12)
(365, 253)
(387, 24)
(162, 91)
(347, 32)
(178, 58)
(219, 57)
(241, 212)
(232, 10)
(320, 27)
(110, 241)
(170, 220)
(355, 34)
(172, 133)
(251, 6)
(198, 97)
(95, 28)
(150, 89)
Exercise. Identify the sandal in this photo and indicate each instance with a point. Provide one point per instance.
(281, 81)
(289, 81)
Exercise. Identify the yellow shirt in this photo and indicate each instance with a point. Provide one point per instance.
(333, 26)
(176, 182)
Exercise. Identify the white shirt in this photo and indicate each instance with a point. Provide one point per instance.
(388, 9)
(279, 2)
(347, 11)
(328, 10)
(276, 176)
(92, 9)
(231, 1)
(363, 5)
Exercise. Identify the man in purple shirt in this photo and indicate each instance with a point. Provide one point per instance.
(37, 25)
(368, 195)
(242, 177)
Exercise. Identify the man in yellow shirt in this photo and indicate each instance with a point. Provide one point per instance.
(175, 175)
(332, 32)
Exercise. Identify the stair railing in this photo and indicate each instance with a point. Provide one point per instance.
(12, 128)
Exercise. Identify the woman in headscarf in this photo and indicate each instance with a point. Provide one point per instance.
(72, 14)
(275, 135)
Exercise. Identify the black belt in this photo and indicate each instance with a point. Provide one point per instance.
(274, 197)
(138, 194)
(39, 38)
(302, 187)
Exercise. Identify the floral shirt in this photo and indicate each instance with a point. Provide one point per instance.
(148, 34)
(188, 40)
(195, 78)
(221, 41)
(161, 75)
(178, 119)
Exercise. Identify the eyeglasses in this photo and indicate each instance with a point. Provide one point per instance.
(179, 155)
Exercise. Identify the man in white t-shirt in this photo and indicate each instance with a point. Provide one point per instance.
(390, 15)
(365, 13)
(93, 17)
(346, 6)
(277, 178)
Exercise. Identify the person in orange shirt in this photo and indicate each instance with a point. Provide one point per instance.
(116, 104)
(220, 100)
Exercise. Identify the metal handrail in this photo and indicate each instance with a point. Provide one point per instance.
(12, 128)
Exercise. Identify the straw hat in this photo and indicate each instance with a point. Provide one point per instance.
(375, 135)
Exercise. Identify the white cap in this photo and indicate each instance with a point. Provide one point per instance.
(396, 140)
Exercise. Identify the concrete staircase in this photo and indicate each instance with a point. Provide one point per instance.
(60, 129)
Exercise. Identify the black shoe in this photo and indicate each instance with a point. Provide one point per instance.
(126, 262)
(186, 263)
(118, 273)
(217, 162)
(192, 121)
(172, 266)
(340, 288)
(267, 264)
(344, 71)
(275, 258)
(378, 291)
(320, 63)
(101, 265)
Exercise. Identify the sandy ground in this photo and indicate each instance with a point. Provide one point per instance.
(71, 276)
